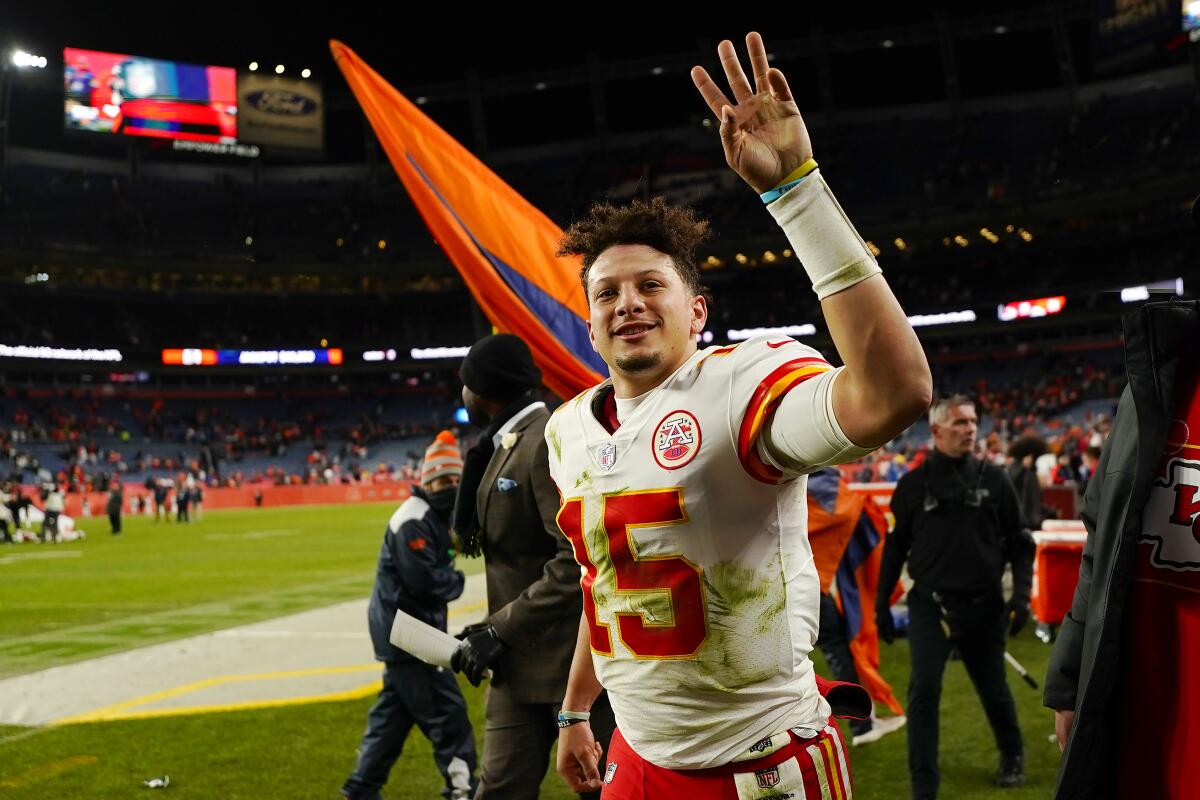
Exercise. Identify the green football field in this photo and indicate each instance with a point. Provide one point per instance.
(161, 582)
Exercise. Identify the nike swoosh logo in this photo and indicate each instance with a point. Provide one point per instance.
(776, 345)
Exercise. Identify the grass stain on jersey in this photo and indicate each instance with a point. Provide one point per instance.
(555, 442)
(584, 479)
(745, 613)
(606, 578)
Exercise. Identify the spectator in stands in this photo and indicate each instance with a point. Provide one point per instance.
(1091, 460)
(416, 575)
(1021, 471)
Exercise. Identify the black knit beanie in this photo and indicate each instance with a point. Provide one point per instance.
(500, 368)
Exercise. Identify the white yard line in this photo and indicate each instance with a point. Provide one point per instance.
(16, 557)
(268, 534)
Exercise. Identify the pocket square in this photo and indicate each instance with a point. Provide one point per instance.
(506, 484)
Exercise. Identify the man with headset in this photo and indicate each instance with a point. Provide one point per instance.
(957, 525)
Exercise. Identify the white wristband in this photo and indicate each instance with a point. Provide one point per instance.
(823, 238)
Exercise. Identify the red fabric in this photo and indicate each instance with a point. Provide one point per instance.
(609, 410)
(633, 778)
(848, 700)
(1161, 726)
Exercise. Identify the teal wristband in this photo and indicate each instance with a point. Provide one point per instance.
(780, 191)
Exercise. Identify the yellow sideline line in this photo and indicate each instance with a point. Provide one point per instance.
(468, 609)
(365, 690)
(114, 711)
(120, 711)
(43, 771)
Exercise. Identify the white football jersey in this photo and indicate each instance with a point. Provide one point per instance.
(700, 589)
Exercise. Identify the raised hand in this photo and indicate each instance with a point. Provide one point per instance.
(762, 133)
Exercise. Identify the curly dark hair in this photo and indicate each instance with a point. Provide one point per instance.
(673, 230)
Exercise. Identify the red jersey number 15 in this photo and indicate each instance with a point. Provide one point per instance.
(642, 633)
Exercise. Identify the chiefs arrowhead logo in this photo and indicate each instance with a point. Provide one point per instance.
(1172, 517)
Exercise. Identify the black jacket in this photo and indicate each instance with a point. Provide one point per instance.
(956, 547)
(416, 573)
(1085, 667)
(116, 498)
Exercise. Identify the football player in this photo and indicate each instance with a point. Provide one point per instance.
(683, 478)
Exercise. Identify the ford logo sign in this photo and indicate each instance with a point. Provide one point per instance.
(281, 101)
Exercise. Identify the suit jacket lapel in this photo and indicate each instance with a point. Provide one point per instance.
(487, 486)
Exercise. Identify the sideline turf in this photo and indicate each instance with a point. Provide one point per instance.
(158, 582)
(305, 752)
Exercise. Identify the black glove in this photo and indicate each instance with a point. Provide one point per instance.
(1017, 614)
(475, 627)
(479, 652)
(885, 624)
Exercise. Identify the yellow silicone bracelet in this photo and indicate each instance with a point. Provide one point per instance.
(798, 173)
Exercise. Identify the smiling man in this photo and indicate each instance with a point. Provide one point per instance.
(683, 478)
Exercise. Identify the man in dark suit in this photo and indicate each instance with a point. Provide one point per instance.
(507, 509)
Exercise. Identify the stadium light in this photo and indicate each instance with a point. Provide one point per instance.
(1000, 30)
(656, 71)
(60, 353)
(306, 73)
(741, 334)
(23, 60)
(279, 69)
(888, 44)
(254, 66)
(944, 318)
(421, 353)
(422, 100)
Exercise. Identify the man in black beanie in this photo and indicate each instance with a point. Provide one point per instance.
(506, 509)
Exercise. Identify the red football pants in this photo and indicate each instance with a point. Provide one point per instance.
(805, 769)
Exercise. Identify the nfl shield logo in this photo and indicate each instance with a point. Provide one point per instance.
(767, 778)
(611, 772)
(608, 456)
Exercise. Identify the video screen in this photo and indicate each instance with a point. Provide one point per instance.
(1191, 15)
(114, 93)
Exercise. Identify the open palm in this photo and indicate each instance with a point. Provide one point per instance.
(763, 133)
